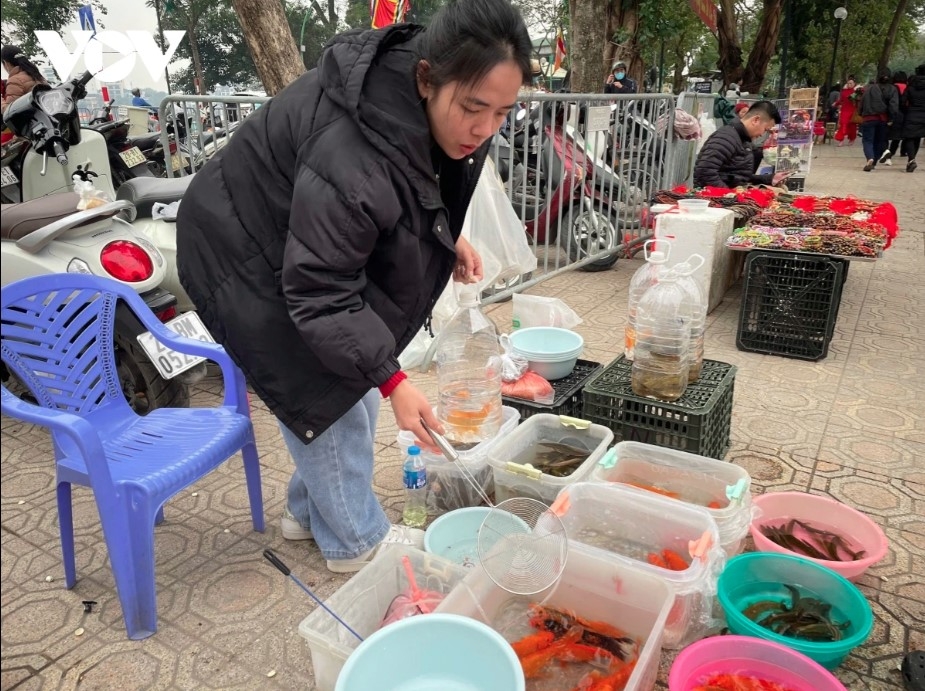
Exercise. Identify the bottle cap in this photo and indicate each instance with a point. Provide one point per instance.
(413, 450)
(468, 296)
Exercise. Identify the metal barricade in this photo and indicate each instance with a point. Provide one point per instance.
(579, 170)
(685, 152)
(199, 126)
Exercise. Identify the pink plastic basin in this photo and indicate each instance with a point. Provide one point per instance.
(752, 657)
(776, 508)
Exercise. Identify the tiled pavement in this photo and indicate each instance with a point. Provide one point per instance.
(851, 426)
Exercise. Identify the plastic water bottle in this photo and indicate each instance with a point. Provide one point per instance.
(468, 361)
(645, 277)
(414, 514)
(663, 324)
(693, 287)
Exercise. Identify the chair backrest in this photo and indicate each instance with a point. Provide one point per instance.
(57, 338)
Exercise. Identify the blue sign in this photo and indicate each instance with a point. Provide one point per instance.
(85, 15)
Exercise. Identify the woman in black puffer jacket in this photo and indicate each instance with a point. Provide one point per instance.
(913, 105)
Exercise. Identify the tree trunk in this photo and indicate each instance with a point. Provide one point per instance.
(270, 41)
(589, 41)
(624, 18)
(201, 86)
(890, 39)
(730, 50)
(764, 48)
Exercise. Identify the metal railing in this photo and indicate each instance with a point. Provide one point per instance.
(200, 127)
(685, 152)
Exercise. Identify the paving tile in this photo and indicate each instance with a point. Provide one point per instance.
(862, 448)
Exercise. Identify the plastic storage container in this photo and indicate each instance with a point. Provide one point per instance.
(567, 397)
(631, 527)
(645, 277)
(761, 576)
(699, 422)
(751, 657)
(513, 479)
(468, 360)
(789, 304)
(661, 360)
(592, 587)
(362, 602)
(694, 479)
(776, 508)
(447, 488)
(698, 298)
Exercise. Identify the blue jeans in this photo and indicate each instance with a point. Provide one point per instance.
(874, 139)
(331, 490)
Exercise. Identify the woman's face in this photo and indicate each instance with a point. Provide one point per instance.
(462, 117)
(850, 84)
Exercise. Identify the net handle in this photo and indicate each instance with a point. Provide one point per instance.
(453, 456)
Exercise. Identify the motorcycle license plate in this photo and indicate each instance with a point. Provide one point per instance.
(170, 363)
(132, 157)
(8, 177)
(177, 162)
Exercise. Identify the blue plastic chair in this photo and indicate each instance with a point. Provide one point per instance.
(57, 338)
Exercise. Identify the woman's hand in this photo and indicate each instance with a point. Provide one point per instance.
(468, 263)
(409, 406)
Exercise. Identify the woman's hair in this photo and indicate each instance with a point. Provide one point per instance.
(466, 39)
(883, 77)
(920, 70)
(851, 78)
(13, 55)
(900, 77)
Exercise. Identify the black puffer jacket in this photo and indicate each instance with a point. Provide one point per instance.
(327, 195)
(727, 159)
(913, 101)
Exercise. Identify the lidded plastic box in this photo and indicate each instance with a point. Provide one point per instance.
(363, 601)
(634, 528)
(724, 489)
(515, 479)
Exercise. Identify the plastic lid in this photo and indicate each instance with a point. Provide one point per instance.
(468, 296)
(413, 450)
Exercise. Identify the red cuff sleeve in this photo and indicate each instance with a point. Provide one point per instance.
(393, 381)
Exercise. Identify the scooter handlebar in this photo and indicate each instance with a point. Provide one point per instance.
(60, 153)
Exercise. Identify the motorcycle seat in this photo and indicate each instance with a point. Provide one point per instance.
(144, 192)
(18, 220)
(145, 141)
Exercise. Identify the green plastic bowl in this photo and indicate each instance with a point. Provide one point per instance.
(758, 576)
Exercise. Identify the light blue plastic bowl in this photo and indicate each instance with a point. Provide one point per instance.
(546, 341)
(455, 535)
(448, 652)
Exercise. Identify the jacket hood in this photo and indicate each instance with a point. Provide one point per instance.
(916, 81)
(370, 74)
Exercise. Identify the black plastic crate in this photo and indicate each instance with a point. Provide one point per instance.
(699, 422)
(790, 304)
(568, 392)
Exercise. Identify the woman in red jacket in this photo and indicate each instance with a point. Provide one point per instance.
(846, 109)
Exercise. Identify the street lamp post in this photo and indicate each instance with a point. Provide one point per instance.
(840, 14)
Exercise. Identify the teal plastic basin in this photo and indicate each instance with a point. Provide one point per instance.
(758, 576)
(433, 651)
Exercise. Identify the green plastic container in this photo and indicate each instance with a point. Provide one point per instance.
(758, 576)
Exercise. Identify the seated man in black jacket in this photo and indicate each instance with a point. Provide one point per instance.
(728, 158)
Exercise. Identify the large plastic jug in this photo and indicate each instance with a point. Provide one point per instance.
(645, 277)
(663, 338)
(693, 287)
(468, 359)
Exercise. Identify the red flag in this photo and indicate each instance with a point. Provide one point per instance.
(382, 13)
(560, 51)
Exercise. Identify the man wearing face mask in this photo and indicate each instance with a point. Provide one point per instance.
(618, 82)
(732, 154)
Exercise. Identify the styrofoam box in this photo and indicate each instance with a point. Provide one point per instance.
(447, 488)
(704, 233)
(626, 526)
(592, 587)
(539, 428)
(362, 602)
(698, 480)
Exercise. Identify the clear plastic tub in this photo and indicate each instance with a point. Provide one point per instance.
(631, 527)
(723, 488)
(362, 602)
(447, 488)
(592, 587)
(518, 480)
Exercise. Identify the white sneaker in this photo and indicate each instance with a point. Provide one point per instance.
(397, 535)
(292, 529)
(887, 162)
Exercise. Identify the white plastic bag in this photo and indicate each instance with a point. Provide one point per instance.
(537, 310)
(513, 365)
(165, 212)
(707, 127)
(90, 196)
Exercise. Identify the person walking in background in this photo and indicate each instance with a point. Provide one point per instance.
(879, 105)
(847, 106)
(618, 82)
(831, 106)
(22, 73)
(913, 103)
(895, 133)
